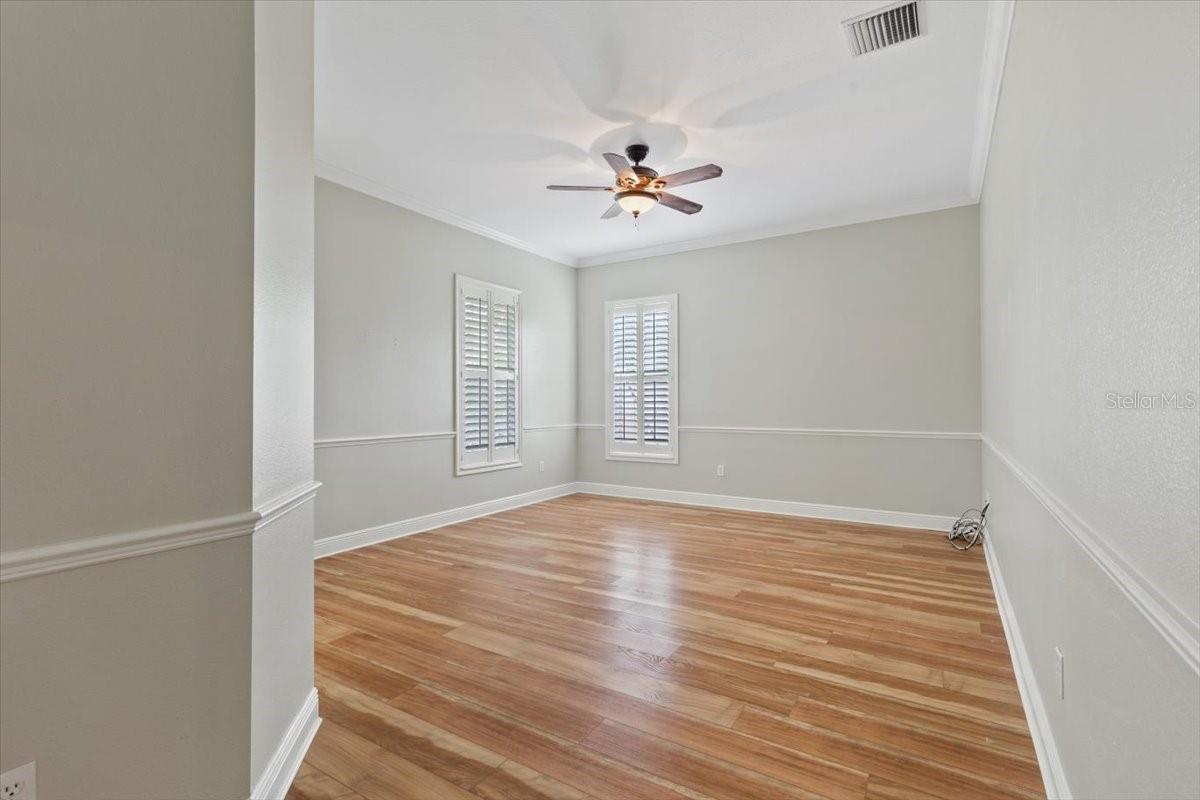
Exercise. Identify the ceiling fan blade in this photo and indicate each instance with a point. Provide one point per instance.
(558, 188)
(617, 162)
(678, 203)
(692, 175)
(613, 211)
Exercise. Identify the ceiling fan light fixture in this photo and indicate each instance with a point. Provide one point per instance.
(637, 202)
(638, 189)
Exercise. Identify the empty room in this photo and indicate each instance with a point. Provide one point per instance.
(599, 400)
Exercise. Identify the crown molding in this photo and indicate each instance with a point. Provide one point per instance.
(368, 186)
(838, 220)
(991, 76)
(361, 183)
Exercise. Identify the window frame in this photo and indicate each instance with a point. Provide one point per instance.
(467, 462)
(643, 451)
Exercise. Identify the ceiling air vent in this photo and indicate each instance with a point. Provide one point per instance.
(884, 27)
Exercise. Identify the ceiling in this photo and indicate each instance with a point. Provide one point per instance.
(465, 111)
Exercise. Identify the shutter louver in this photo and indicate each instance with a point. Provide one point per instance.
(504, 414)
(475, 333)
(624, 346)
(656, 411)
(625, 368)
(625, 411)
(475, 413)
(504, 336)
(656, 362)
(656, 344)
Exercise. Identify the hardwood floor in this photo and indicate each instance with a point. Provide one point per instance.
(592, 647)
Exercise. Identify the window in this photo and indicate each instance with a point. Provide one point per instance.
(641, 386)
(488, 369)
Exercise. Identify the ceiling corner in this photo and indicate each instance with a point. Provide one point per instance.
(380, 191)
(991, 76)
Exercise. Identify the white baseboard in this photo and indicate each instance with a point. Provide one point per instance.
(792, 508)
(281, 770)
(395, 530)
(1053, 774)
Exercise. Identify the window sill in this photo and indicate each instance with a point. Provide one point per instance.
(645, 459)
(461, 471)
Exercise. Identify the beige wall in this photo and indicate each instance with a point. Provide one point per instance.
(870, 327)
(385, 361)
(1089, 234)
(125, 391)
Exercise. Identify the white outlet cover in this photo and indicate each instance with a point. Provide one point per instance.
(1058, 673)
(19, 783)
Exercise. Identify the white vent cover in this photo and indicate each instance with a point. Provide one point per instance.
(883, 27)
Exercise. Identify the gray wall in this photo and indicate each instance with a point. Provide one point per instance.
(1090, 285)
(126, 246)
(282, 648)
(385, 362)
(870, 327)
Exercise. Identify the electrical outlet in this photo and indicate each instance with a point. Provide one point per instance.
(720, 470)
(541, 466)
(19, 783)
(1058, 673)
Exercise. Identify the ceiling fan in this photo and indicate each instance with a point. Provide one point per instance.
(638, 189)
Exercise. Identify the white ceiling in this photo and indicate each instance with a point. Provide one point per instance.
(465, 111)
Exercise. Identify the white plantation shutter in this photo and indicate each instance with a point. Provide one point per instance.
(641, 400)
(475, 332)
(624, 413)
(656, 375)
(488, 376)
(475, 413)
(623, 395)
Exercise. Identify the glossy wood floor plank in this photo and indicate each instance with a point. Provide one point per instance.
(594, 648)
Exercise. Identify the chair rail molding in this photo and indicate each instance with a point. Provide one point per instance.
(383, 438)
(1182, 633)
(782, 431)
(276, 507)
(30, 561)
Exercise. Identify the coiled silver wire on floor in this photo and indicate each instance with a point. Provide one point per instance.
(968, 529)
